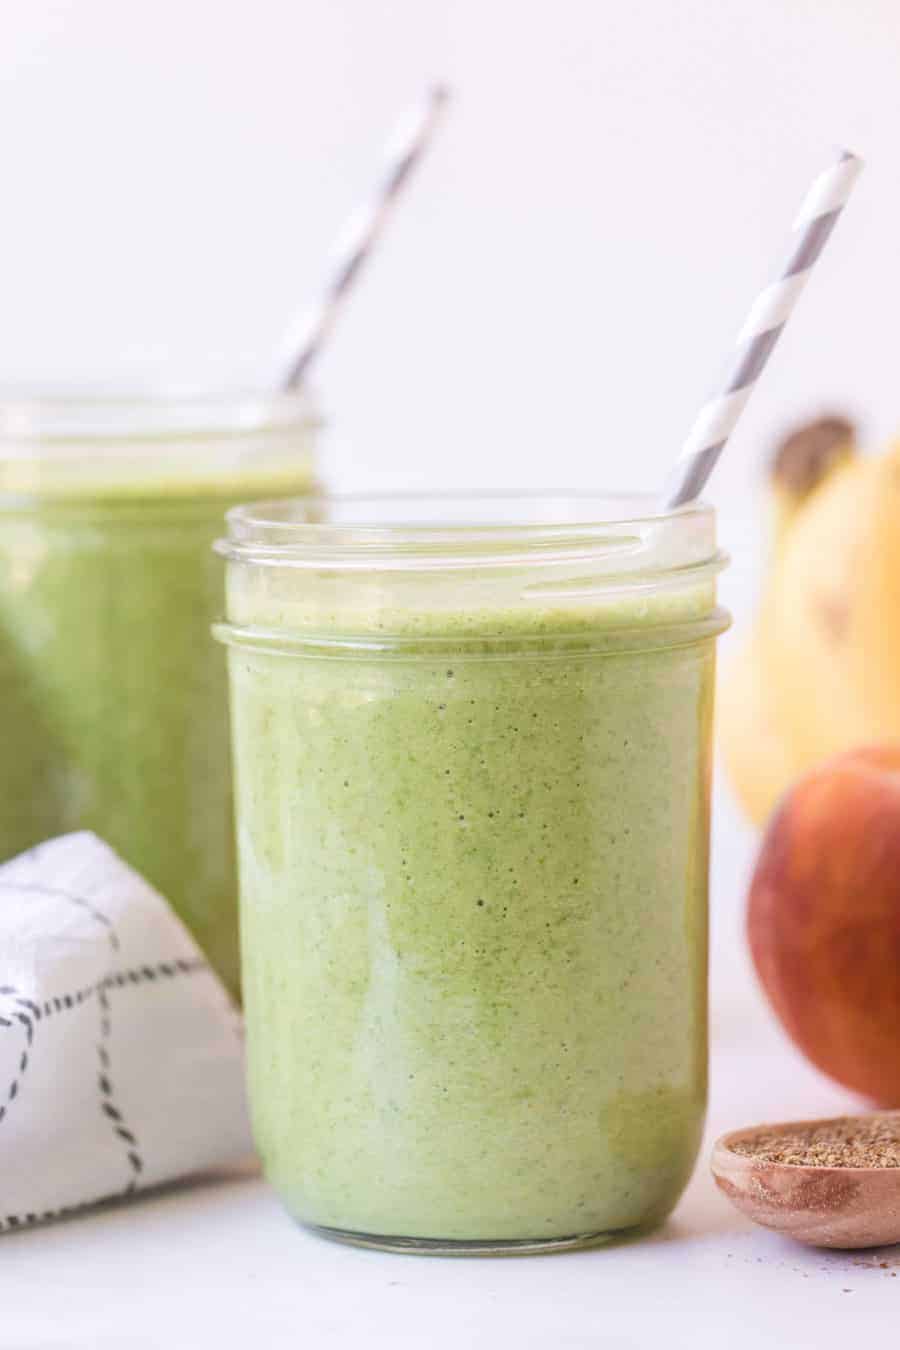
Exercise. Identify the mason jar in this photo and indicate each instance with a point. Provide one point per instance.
(113, 714)
(472, 752)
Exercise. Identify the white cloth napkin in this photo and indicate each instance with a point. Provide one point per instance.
(121, 1060)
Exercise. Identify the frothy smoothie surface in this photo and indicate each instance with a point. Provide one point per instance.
(473, 870)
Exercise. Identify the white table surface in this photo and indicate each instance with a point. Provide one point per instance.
(219, 1264)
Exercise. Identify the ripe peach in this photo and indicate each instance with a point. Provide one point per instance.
(824, 919)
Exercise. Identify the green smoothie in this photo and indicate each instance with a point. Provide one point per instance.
(112, 694)
(473, 852)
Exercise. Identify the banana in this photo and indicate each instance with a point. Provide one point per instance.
(820, 672)
(751, 739)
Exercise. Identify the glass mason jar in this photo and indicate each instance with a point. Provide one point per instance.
(114, 708)
(472, 755)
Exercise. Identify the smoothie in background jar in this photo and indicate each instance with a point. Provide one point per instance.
(472, 767)
(112, 694)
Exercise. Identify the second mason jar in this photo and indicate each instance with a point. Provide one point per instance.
(113, 714)
(471, 744)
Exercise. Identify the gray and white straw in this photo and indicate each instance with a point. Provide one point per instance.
(305, 339)
(762, 329)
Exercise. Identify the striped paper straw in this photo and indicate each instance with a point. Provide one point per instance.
(354, 244)
(762, 329)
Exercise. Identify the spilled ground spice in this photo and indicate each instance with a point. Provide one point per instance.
(848, 1141)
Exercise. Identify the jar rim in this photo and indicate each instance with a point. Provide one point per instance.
(622, 532)
(37, 421)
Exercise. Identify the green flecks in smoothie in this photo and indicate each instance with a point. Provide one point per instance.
(474, 905)
(113, 704)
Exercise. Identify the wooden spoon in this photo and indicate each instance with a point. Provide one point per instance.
(821, 1206)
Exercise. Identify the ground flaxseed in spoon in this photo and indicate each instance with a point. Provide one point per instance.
(848, 1141)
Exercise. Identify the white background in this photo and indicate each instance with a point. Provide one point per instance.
(556, 296)
(559, 291)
